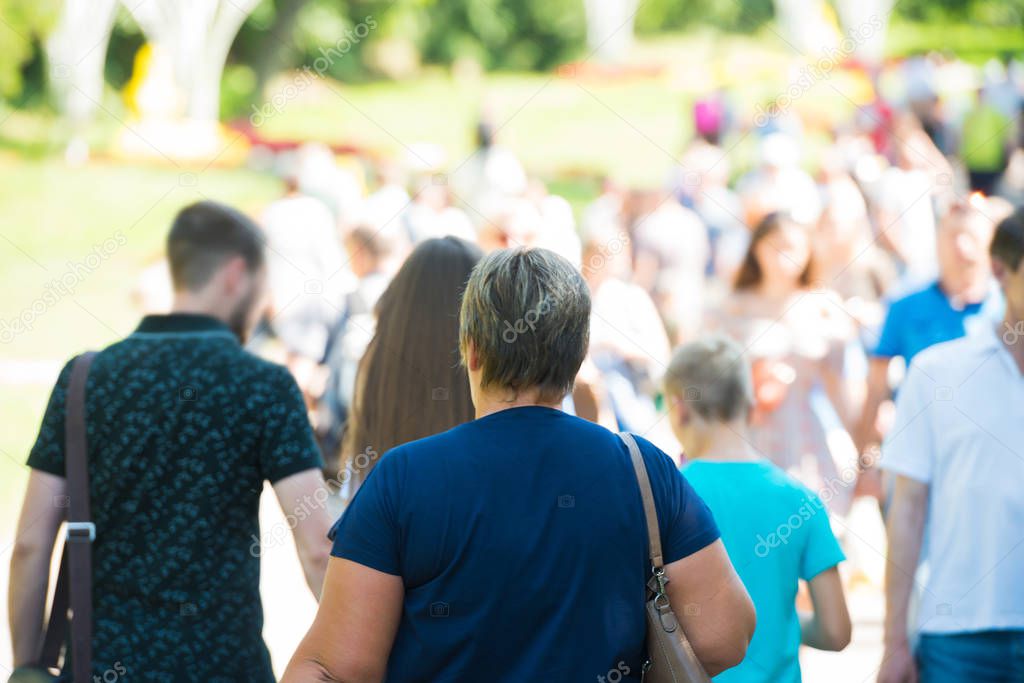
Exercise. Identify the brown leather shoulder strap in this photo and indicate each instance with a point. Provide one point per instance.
(650, 513)
(81, 531)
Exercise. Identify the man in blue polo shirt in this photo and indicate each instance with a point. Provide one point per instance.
(963, 300)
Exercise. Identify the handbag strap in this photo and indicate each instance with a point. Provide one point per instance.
(650, 513)
(74, 582)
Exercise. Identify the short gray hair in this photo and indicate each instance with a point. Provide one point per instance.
(526, 311)
(712, 376)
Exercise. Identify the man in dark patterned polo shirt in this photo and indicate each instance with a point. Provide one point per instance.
(183, 426)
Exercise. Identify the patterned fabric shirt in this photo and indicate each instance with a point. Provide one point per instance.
(183, 428)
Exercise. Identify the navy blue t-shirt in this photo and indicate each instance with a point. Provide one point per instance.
(521, 541)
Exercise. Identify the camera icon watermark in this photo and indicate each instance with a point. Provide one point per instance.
(439, 394)
(313, 286)
(692, 180)
(187, 393)
(188, 179)
(61, 501)
(60, 72)
(440, 610)
(439, 179)
(944, 394)
(566, 501)
(187, 609)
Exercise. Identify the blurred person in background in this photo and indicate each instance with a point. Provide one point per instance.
(524, 522)
(986, 137)
(670, 246)
(431, 213)
(954, 455)
(778, 183)
(963, 300)
(370, 256)
(384, 206)
(904, 209)
(846, 258)
(797, 339)
(628, 342)
(409, 384)
(491, 172)
(710, 396)
(184, 426)
(557, 228)
(303, 263)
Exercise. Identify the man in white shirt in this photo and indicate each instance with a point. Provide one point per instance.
(957, 454)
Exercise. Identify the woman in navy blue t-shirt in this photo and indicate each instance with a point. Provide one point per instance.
(513, 547)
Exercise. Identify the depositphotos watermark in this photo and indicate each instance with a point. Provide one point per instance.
(310, 73)
(615, 674)
(598, 260)
(1013, 333)
(279, 532)
(819, 70)
(111, 675)
(814, 504)
(76, 272)
(527, 322)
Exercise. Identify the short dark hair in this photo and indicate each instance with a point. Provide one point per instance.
(1008, 241)
(527, 313)
(206, 234)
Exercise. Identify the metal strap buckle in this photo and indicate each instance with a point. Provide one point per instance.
(77, 531)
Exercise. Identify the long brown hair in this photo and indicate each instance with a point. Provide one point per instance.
(750, 274)
(410, 383)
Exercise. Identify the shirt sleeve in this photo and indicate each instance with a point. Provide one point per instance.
(368, 533)
(822, 550)
(288, 444)
(909, 447)
(47, 454)
(890, 339)
(686, 522)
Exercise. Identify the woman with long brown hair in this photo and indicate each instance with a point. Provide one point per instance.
(795, 334)
(410, 383)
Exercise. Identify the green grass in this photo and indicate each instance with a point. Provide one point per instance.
(51, 219)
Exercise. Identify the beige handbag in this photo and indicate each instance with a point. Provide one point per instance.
(670, 659)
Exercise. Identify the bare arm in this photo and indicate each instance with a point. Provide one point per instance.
(351, 637)
(41, 517)
(878, 391)
(303, 497)
(905, 527)
(712, 606)
(828, 627)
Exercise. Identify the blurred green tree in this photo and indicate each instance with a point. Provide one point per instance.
(23, 25)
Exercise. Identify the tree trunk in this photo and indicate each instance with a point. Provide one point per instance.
(76, 52)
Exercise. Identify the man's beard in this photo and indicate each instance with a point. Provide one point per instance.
(238, 320)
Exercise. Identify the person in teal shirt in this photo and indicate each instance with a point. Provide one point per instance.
(775, 530)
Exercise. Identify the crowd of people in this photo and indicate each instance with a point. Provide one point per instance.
(461, 351)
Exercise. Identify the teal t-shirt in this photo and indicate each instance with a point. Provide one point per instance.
(776, 532)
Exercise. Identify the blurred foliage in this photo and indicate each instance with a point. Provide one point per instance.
(359, 40)
(995, 12)
(660, 15)
(23, 24)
